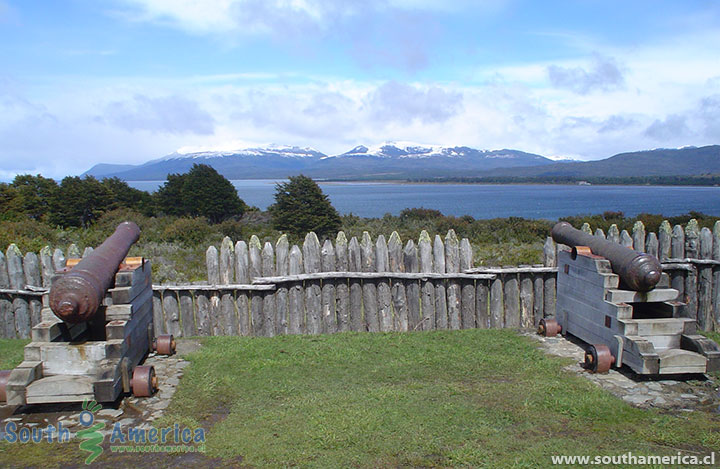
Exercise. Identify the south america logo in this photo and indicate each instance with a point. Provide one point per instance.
(92, 436)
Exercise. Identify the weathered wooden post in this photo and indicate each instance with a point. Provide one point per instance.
(282, 267)
(213, 270)
(428, 289)
(202, 315)
(187, 314)
(511, 300)
(497, 306)
(159, 315)
(638, 236)
(705, 277)
(549, 251)
(677, 251)
(625, 239)
(268, 298)
(171, 311)
(385, 315)
(355, 264)
(467, 286)
(367, 250)
(58, 259)
(313, 294)
(229, 322)
(664, 241)
(256, 297)
(452, 265)
(342, 289)
(651, 245)
(526, 300)
(692, 241)
(7, 319)
(613, 234)
(399, 290)
(31, 268)
(328, 289)
(46, 265)
(441, 317)
(73, 252)
(412, 264)
(242, 276)
(716, 277)
(296, 306)
(15, 267)
(538, 298)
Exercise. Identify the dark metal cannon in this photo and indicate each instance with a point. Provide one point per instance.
(606, 297)
(85, 347)
(638, 271)
(76, 295)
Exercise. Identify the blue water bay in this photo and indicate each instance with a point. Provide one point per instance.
(374, 199)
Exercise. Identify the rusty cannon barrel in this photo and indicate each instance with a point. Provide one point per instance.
(637, 270)
(76, 295)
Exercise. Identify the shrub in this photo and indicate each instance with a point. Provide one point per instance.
(27, 234)
(188, 231)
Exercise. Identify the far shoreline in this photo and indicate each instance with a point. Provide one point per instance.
(469, 183)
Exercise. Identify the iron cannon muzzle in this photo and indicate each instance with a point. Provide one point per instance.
(76, 295)
(637, 270)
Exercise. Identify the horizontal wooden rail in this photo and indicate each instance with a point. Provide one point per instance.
(510, 270)
(369, 276)
(237, 286)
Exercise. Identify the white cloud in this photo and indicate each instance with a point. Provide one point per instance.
(165, 114)
(669, 96)
(604, 75)
(243, 16)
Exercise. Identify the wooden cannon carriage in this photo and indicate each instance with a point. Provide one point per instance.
(613, 304)
(95, 331)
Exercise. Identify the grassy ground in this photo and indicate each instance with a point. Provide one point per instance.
(477, 398)
(11, 352)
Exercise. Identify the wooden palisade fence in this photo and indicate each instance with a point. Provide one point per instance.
(365, 285)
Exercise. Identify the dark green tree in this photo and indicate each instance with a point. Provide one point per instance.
(8, 204)
(201, 192)
(79, 201)
(33, 195)
(301, 206)
(124, 196)
(169, 197)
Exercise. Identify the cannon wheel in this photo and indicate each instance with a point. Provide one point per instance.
(598, 358)
(4, 377)
(549, 328)
(164, 344)
(144, 381)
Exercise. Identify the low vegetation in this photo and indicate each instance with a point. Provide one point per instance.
(176, 245)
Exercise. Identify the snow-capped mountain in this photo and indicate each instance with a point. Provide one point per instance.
(269, 152)
(387, 160)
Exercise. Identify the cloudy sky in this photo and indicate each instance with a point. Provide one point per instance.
(124, 81)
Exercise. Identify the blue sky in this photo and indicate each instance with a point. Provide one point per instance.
(124, 81)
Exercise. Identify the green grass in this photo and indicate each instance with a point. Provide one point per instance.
(462, 398)
(474, 398)
(11, 353)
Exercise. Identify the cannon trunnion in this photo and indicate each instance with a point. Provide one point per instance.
(92, 342)
(642, 328)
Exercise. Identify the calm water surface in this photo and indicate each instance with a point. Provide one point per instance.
(372, 199)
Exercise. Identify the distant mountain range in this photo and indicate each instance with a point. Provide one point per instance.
(687, 161)
(406, 160)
